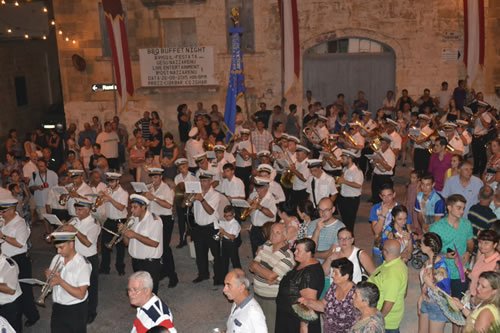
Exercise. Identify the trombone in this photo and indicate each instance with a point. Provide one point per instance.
(46, 288)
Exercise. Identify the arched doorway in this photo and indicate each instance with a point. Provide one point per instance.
(348, 65)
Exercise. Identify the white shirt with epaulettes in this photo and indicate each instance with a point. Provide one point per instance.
(164, 192)
(9, 273)
(91, 230)
(76, 273)
(15, 228)
(152, 227)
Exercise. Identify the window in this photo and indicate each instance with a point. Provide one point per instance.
(349, 45)
(180, 32)
(105, 45)
(21, 91)
(246, 23)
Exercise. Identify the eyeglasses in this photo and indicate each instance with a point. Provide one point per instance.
(324, 210)
(345, 239)
(134, 290)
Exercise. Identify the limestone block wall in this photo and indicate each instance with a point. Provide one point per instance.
(417, 31)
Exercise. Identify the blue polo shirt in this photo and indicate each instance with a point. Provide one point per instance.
(388, 219)
(435, 205)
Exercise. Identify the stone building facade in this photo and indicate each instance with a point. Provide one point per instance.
(420, 33)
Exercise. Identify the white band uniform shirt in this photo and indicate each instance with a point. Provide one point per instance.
(232, 227)
(291, 157)
(212, 169)
(240, 162)
(232, 188)
(164, 192)
(41, 196)
(426, 131)
(324, 187)
(396, 140)
(303, 169)
(468, 141)
(83, 190)
(201, 217)
(456, 143)
(111, 212)
(152, 228)
(91, 230)
(53, 198)
(323, 132)
(352, 174)
(76, 273)
(193, 148)
(479, 129)
(277, 191)
(153, 313)
(370, 125)
(15, 228)
(257, 216)
(358, 138)
(246, 317)
(9, 272)
(390, 159)
(179, 178)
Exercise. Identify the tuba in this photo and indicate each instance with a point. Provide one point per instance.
(46, 289)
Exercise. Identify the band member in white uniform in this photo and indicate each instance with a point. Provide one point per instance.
(263, 209)
(421, 155)
(351, 183)
(391, 127)
(194, 146)
(161, 197)
(79, 191)
(231, 186)
(205, 209)
(384, 161)
(482, 126)
(14, 235)
(203, 165)
(320, 185)
(301, 171)
(87, 232)
(53, 206)
(70, 279)
(332, 159)
(244, 151)
(454, 140)
(464, 135)
(182, 211)
(10, 292)
(266, 171)
(144, 239)
(220, 159)
(115, 208)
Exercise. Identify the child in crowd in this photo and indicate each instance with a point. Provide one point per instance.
(229, 233)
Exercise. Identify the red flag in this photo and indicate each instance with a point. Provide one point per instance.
(291, 48)
(117, 33)
(473, 37)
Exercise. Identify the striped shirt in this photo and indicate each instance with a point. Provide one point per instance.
(280, 262)
(481, 218)
(153, 313)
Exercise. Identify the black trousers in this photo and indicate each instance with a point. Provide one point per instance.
(152, 266)
(203, 241)
(12, 312)
(94, 285)
(106, 253)
(244, 174)
(348, 208)
(287, 322)
(182, 221)
(377, 182)
(168, 264)
(479, 154)
(229, 251)
(364, 163)
(421, 160)
(257, 238)
(27, 301)
(69, 318)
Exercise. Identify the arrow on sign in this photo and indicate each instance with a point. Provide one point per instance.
(103, 87)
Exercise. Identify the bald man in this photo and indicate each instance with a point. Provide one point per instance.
(391, 278)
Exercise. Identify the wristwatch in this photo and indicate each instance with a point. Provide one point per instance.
(4, 237)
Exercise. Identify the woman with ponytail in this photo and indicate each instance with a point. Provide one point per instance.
(434, 274)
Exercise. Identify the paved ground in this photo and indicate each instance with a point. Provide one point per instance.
(197, 308)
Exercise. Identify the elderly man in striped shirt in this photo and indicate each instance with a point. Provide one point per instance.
(274, 259)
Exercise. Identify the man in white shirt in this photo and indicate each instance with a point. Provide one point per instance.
(262, 210)
(384, 161)
(194, 146)
(203, 165)
(87, 233)
(351, 183)
(444, 96)
(245, 151)
(161, 197)
(266, 171)
(40, 184)
(205, 210)
(231, 186)
(10, 292)
(70, 280)
(14, 236)
(391, 127)
(115, 201)
(30, 167)
(320, 185)
(301, 172)
(144, 239)
(332, 158)
(422, 143)
(109, 140)
(182, 211)
(454, 140)
(480, 137)
(151, 310)
(246, 316)
(79, 190)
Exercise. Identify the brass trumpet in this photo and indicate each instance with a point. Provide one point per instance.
(46, 289)
(99, 201)
(119, 236)
(189, 199)
(63, 198)
(245, 213)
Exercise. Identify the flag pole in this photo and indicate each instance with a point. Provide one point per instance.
(113, 81)
(282, 29)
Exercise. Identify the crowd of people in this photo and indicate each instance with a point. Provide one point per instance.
(294, 182)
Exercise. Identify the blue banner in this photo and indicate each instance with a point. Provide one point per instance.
(236, 85)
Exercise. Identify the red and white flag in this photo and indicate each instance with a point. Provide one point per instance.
(115, 22)
(291, 48)
(473, 38)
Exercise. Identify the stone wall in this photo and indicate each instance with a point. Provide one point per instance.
(416, 30)
(33, 60)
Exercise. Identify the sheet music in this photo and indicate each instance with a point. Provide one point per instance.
(60, 190)
(241, 203)
(414, 132)
(139, 187)
(32, 282)
(52, 219)
(211, 154)
(193, 187)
